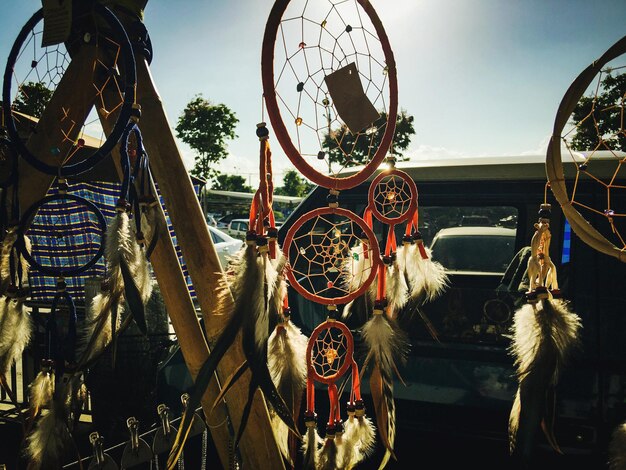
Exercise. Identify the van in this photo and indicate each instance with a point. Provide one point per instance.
(459, 376)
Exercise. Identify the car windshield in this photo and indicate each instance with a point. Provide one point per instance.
(477, 253)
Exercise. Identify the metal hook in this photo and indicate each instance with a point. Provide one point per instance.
(137, 450)
(198, 426)
(166, 435)
(101, 461)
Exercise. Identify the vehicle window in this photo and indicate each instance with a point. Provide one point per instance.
(237, 226)
(470, 239)
(476, 245)
(216, 238)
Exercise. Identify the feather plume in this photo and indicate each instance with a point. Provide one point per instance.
(381, 386)
(40, 391)
(396, 289)
(19, 336)
(359, 441)
(327, 454)
(311, 442)
(617, 449)
(544, 335)
(427, 279)
(5, 258)
(98, 316)
(287, 365)
(248, 280)
(387, 345)
(47, 444)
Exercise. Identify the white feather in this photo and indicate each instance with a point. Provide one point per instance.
(40, 391)
(617, 448)
(427, 278)
(534, 323)
(286, 359)
(22, 331)
(396, 289)
(10, 320)
(359, 441)
(311, 442)
(46, 443)
(98, 313)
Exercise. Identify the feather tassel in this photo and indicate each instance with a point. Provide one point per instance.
(427, 279)
(311, 442)
(359, 438)
(328, 453)
(287, 366)
(48, 443)
(14, 340)
(544, 335)
(387, 345)
(41, 389)
(617, 449)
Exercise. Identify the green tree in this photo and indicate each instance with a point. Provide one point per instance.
(237, 183)
(32, 99)
(340, 143)
(599, 118)
(293, 185)
(206, 128)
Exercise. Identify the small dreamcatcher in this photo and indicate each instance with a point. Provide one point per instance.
(34, 71)
(330, 357)
(329, 83)
(595, 101)
(545, 331)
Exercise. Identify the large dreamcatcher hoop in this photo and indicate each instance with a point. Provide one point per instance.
(32, 67)
(318, 247)
(319, 86)
(584, 164)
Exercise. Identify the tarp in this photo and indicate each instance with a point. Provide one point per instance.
(83, 233)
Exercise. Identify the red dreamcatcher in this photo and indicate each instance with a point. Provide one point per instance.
(329, 83)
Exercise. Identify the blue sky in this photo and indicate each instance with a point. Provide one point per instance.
(481, 77)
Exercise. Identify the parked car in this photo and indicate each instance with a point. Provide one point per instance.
(238, 228)
(225, 245)
(460, 379)
(225, 220)
(474, 249)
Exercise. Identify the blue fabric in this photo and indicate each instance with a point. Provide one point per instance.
(79, 228)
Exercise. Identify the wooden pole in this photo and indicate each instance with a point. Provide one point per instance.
(258, 446)
(65, 112)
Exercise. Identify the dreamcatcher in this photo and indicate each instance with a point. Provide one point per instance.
(596, 101)
(329, 82)
(595, 104)
(545, 331)
(320, 248)
(255, 282)
(33, 73)
(330, 357)
(76, 228)
(128, 280)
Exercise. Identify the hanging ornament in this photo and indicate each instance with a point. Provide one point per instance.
(252, 279)
(128, 272)
(545, 331)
